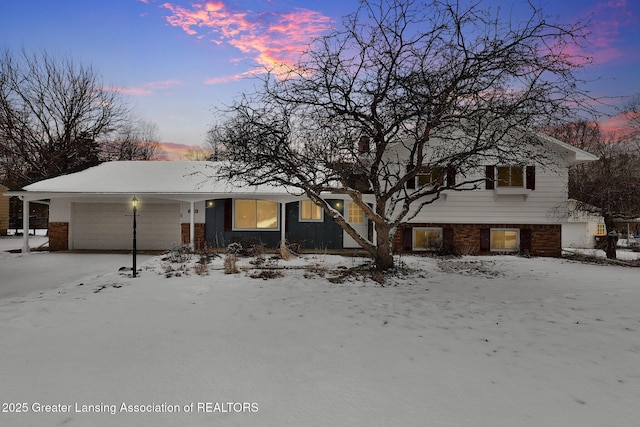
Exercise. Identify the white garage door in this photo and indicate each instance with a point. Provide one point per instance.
(109, 226)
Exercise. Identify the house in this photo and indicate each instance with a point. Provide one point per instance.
(583, 228)
(519, 207)
(516, 210)
(4, 211)
(180, 202)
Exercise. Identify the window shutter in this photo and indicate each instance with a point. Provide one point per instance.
(447, 240)
(411, 183)
(525, 240)
(531, 177)
(228, 215)
(485, 239)
(490, 175)
(451, 176)
(407, 237)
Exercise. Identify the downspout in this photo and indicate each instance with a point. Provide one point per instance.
(283, 219)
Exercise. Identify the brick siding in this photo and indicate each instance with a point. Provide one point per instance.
(199, 237)
(58, 236)
(546, 239)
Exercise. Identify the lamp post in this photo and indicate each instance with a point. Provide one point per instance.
(134, 202)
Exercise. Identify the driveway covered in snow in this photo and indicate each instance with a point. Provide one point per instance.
(21, 275)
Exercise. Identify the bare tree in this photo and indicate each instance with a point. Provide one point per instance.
(200, 154)
(137, 141)
(405, 85)
(609, 186)
(52, 114)
(214, 147)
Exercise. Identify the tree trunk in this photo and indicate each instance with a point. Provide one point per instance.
(612, 237)
(383, 255)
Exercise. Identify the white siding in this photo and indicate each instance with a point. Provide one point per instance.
(544, 205)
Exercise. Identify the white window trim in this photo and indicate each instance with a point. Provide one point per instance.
(413, 238)
(507, 190)
(300, 219)
(517, 248)
(233, 214)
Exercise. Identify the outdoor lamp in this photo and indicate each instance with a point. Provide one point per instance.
(134, 203)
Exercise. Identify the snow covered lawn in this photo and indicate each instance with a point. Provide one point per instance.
(472, 341)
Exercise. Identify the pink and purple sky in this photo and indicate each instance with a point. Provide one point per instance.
(178, 59)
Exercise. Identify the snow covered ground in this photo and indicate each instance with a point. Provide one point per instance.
(472, 341)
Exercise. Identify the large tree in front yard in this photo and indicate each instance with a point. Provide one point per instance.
(406, 88)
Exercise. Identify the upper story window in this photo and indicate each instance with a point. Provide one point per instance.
(255, 215)
(309, 211)
(510, 176)
(430, 175)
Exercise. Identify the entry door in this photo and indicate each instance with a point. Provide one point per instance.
(355, 217)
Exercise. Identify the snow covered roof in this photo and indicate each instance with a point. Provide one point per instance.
(147, 177)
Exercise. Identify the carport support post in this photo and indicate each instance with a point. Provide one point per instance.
(192, 225)
(25, 226)
(283, 221)
(134, 202)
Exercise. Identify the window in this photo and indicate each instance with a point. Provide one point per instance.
(430, 175)
(510, 176)
(255, 214)
(309, 211)
(355, 214)
(505, 240)
(602, 230)
(427, 239)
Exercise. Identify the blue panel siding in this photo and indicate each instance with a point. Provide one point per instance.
(217, 235)
(313, 235)
(310, 235)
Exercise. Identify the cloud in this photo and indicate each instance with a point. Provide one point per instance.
(612, 22)
(176, 151)
(149, 88)
(621, 125)
(270, 38)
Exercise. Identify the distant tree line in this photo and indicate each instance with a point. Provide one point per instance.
(609, 186)
(58, 117)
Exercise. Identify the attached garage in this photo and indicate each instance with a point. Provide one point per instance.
(109, 226)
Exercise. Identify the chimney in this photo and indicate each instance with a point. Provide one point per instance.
(363, 145)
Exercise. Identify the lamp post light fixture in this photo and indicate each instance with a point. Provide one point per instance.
(134, 202)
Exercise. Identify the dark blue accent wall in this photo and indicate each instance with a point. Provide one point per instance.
(310, 235)
(220, 235)
(314, 235)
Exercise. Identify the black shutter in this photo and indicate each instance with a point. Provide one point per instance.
(407, 239)
(485, 239)
(451, 176)
(411, 183)
(228, 214)
(490, 176)
(447, 240)
(531, 177)
(525, 240)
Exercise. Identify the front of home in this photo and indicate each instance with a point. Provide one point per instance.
(519, 208)
(180, 202)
